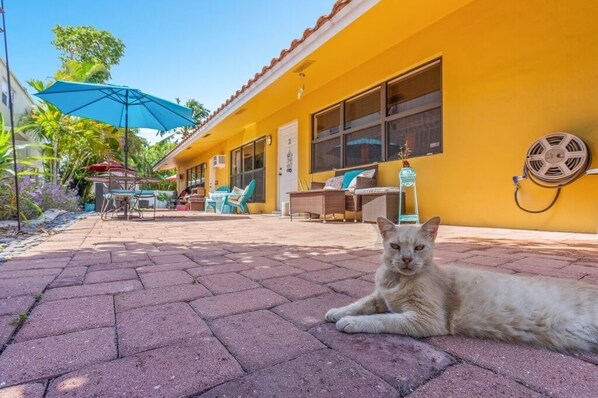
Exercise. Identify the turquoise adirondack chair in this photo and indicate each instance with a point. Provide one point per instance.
(240, 202)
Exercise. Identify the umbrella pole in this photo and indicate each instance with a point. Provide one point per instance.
(126, 130)
(12, 124)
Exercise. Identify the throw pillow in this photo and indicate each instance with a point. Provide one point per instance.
(349, 176)
(366, 173)
(236, 194)
(334, 183)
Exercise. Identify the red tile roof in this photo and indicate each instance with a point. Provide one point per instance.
(339, 5)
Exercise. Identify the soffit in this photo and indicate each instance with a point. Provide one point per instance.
(383, 26)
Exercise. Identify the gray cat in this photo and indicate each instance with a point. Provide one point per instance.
(414, 297)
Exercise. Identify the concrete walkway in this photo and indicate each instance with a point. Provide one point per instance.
(202, 305)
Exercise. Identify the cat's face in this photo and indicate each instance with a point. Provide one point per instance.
(408, 249)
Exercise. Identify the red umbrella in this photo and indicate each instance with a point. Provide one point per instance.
(171, 178)
(107, 165)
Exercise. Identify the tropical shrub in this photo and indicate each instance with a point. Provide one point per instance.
(36, 196)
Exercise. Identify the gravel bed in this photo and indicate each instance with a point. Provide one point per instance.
(32, 234)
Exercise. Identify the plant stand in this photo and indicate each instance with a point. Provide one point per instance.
(406, 184)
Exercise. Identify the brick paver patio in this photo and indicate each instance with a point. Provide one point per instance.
(194, 304)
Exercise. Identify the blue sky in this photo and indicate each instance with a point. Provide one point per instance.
(202, 49)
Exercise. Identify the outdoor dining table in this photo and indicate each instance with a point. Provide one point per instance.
(219, 198)
(125, 195)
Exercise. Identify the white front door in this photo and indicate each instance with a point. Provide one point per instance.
(212, 177)
(287, 161)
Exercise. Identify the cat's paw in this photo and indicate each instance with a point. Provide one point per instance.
(353, 324)
(334, 314)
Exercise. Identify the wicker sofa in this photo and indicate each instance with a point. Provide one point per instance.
(324, 200)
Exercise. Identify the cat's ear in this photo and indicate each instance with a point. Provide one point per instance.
(430, 228)
(384, 226)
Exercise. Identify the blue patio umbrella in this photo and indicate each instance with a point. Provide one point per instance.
(119, 106)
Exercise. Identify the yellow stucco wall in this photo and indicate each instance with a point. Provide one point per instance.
(512, 72)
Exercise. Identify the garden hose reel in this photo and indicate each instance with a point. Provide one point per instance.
(553, 161)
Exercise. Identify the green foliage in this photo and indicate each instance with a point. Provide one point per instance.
(147, 156)
(6, 153)
(87, 72)
(86, 44)
(163, 197)
(19, 319)
(200, 113)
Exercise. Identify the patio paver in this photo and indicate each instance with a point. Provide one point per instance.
(52, 356)
(174, 371)
(30, 390)
(235, 303)
(260, 339)
(403, 362)
(310, 312)
(166, 278)
(7, 327)
(547, 371)
(294, 288)
(110, 275)
(237, 306)
(466, 381)
(161, 295)
(227, 283)
(330, 375)
(141, 329)
(24, 286)
(64, 316)
(91, 290)
(15, 305)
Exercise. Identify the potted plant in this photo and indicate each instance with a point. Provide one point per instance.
(407, 174)
(89, 204)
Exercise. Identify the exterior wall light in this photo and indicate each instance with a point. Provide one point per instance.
(269, 139)
(301, 86)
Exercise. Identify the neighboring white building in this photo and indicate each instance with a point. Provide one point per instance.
(22, 102)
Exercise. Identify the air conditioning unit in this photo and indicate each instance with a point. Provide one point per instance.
(218, 161)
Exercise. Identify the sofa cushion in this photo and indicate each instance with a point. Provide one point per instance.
(334, 183)
(349, 176)
(236, 194)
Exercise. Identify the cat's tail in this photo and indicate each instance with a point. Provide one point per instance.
(582, 339)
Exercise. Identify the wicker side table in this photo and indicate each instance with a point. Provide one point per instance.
(379, 202)
(318, 201)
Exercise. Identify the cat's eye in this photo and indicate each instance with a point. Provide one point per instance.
(419, 247)
(395, 246)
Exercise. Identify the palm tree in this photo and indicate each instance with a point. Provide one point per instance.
(200, 113)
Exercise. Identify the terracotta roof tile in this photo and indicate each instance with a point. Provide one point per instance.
(339, 5)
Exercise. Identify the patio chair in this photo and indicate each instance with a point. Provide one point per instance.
(240, 202)
(143, 195)
(210, 201)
